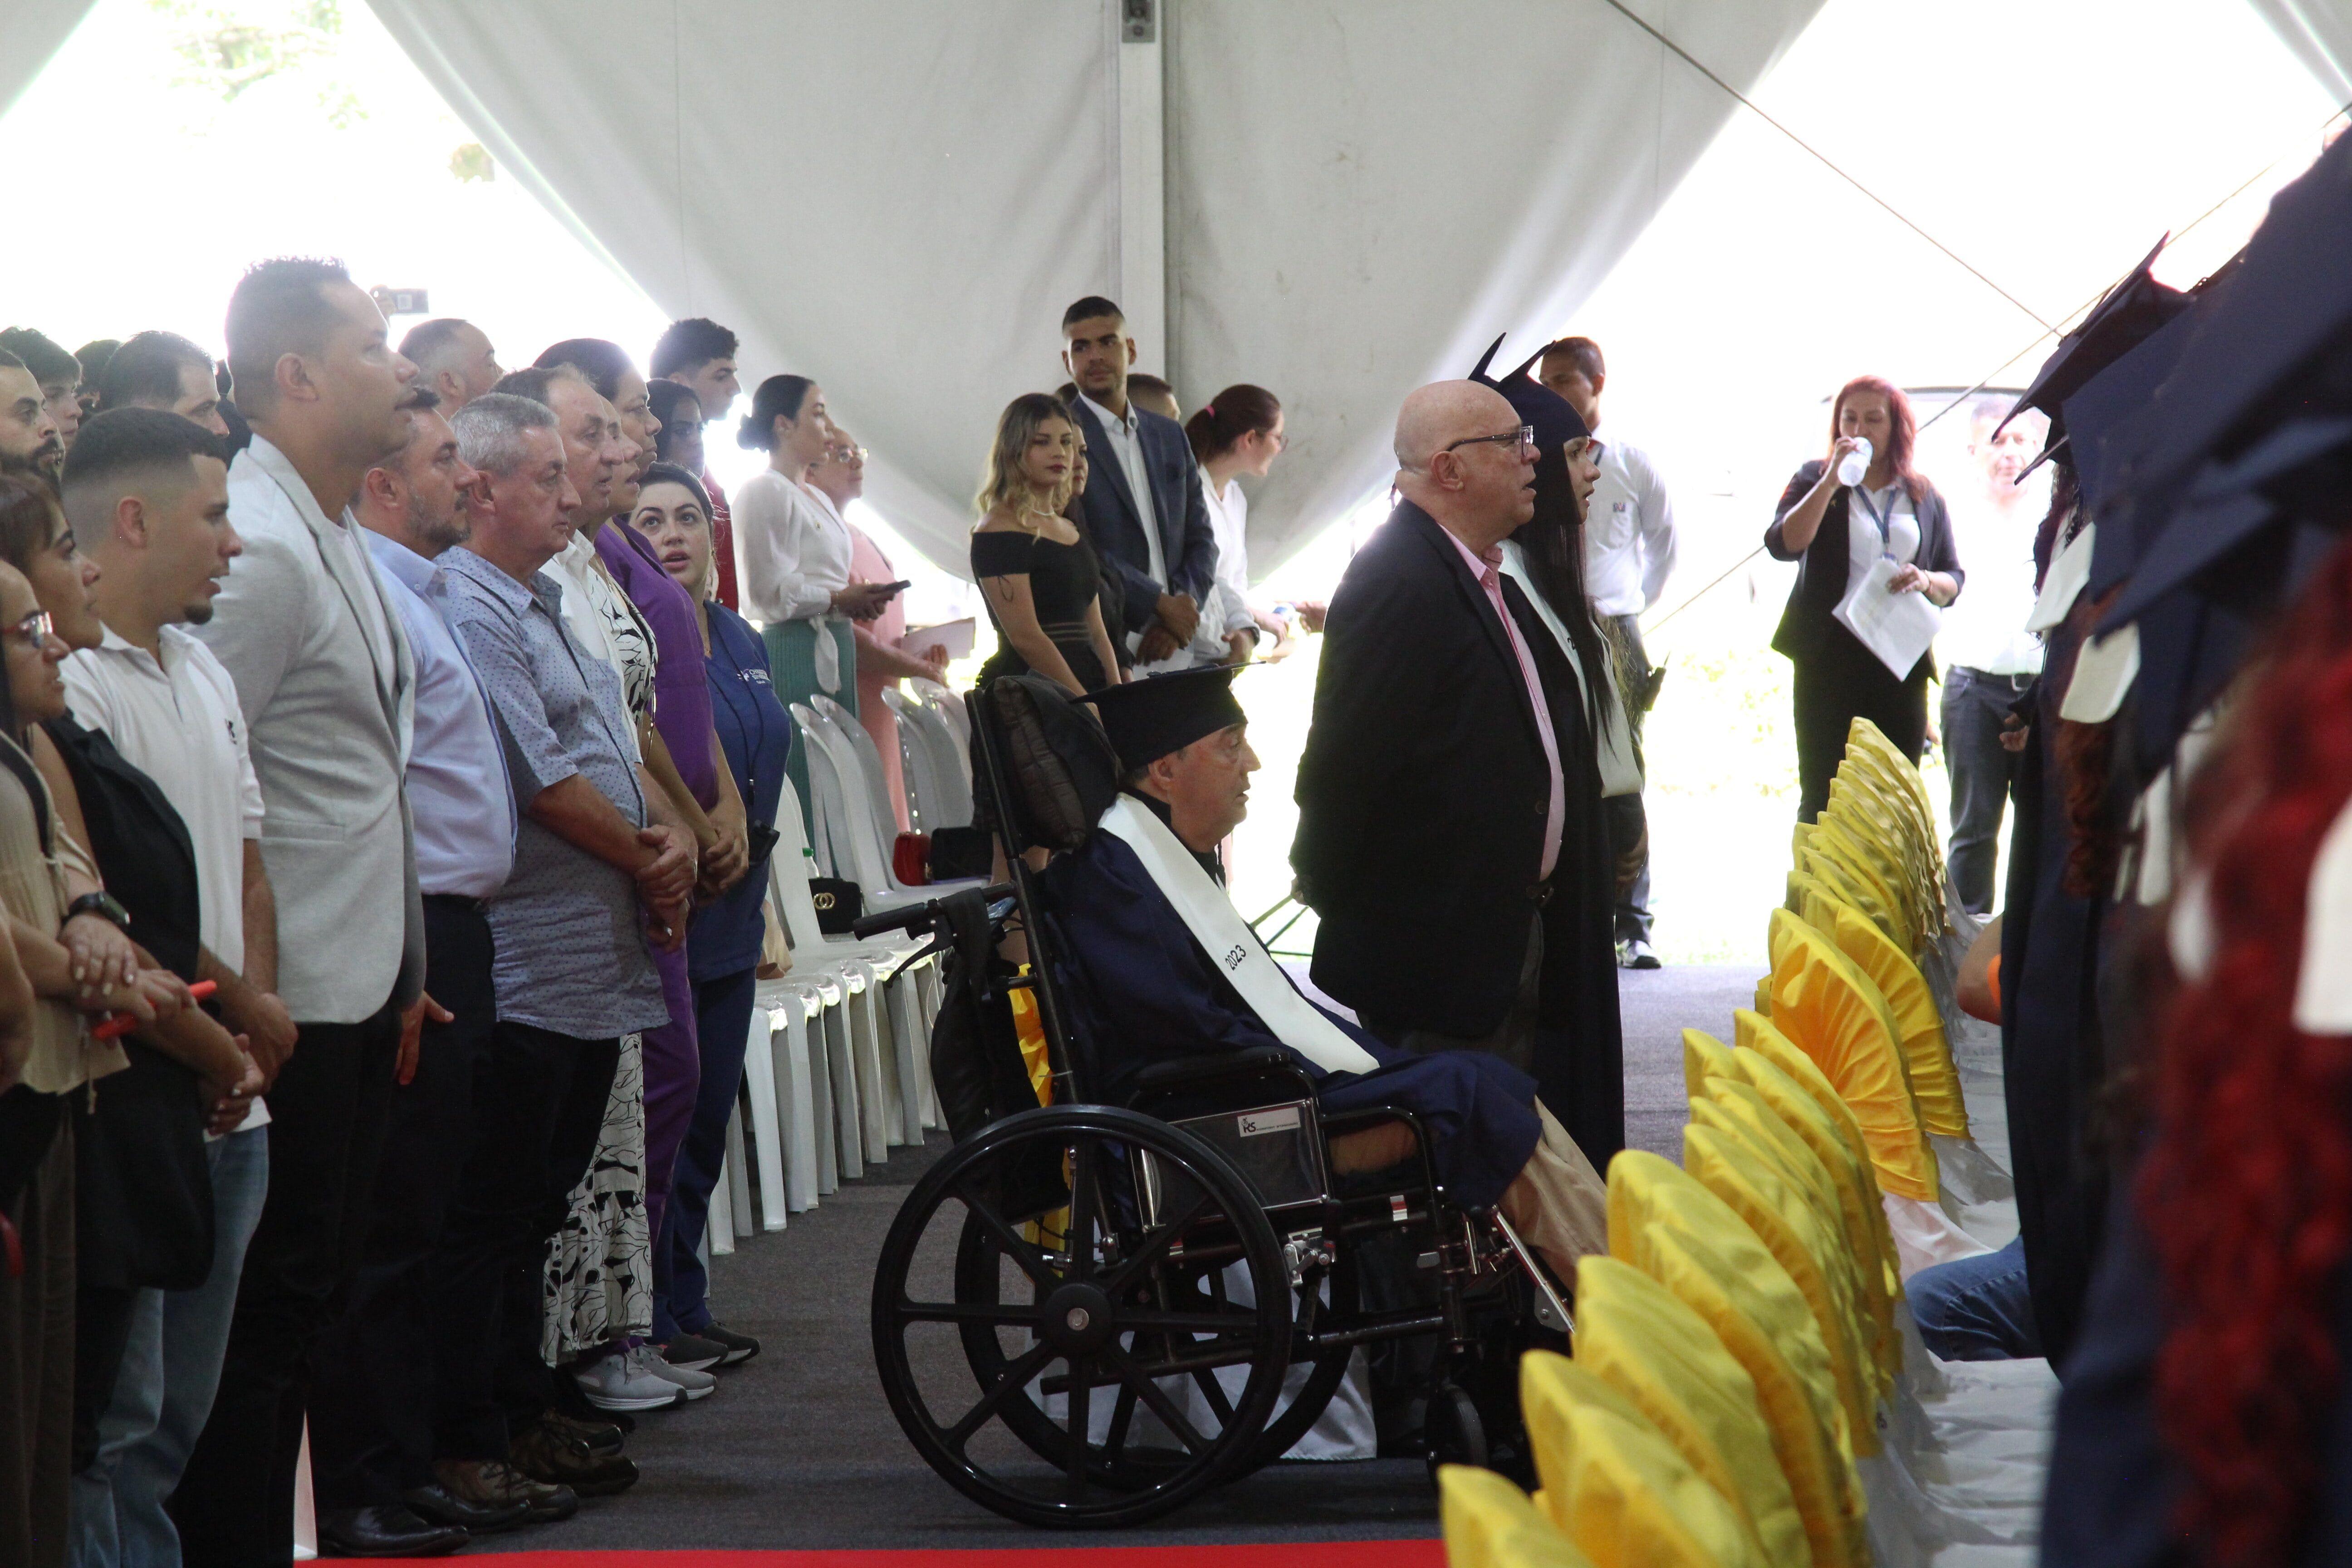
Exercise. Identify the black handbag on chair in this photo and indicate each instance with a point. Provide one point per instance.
(839, 904)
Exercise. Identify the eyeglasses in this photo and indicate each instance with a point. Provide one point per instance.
(32, 631)
(1525, 437)
(849, 454)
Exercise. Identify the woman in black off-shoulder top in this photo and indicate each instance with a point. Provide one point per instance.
(1039, 575)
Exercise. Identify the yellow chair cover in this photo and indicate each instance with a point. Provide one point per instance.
(1613, 1484)
(1734, 1168)
(1794, 1087)
(1902, 777)
(1636, 1336)
(1825, 872)
(1490, 1523)
(1704, 1057)
(1835, 841)
(1885, 841)
(1919, 1026)
(1825, 1004)
(1665, 1223)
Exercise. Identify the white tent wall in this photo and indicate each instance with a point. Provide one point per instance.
(1363, 193)
(899, 198)
(2319, 32)
(895, 199)
(30, 31)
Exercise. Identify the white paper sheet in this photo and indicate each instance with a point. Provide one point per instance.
(956, 636)
(1897, 627)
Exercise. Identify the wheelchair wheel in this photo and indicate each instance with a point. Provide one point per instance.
(1022, 1263)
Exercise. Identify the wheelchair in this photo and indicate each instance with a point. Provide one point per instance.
(1085, 1315)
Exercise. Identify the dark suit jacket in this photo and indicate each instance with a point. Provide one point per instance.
(1188, 542)
(1807, 629)
(1422, 792)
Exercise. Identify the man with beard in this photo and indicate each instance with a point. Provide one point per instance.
(147, 493)
(326, 682)
(29, 441)
(58, 374)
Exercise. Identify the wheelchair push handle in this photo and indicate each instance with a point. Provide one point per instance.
(917, 919)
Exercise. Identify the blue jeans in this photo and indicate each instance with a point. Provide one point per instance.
(723, 1023)
(1978, 1309)
(165, 1389)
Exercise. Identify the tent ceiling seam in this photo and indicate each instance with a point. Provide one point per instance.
(1745, 101)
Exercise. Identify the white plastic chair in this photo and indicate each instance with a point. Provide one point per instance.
(949, 704)
(860, 965)
(844, 795)
(767, 1118)
(868, 756)
(943, 772)
(783, 1008)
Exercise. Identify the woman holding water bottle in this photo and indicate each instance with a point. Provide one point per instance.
(1859, 523)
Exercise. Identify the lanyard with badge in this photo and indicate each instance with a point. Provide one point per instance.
(1884, 521)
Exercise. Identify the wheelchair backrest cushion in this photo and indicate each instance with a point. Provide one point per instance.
(1632, 1334)
(1616, 1486)
(1062, 765)
(1831, 1010)
(1490, 1523)
(1663, 1222)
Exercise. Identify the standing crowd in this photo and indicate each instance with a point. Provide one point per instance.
(392, 746)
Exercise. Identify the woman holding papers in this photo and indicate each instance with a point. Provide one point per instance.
(1875, 566)
(882, 663)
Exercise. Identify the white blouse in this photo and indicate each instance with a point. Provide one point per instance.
(1229, 522)
(1863, 546)
(604, 622)
(796, 549)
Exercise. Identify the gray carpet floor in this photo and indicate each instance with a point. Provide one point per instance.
(797, 1449)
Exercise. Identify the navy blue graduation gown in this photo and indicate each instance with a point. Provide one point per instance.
(1140, 990)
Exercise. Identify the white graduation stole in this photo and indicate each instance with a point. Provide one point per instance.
(1222, 934)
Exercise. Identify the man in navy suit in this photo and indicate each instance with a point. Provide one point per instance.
(1145, 511)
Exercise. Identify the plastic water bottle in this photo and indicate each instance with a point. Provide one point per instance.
(1855, 464)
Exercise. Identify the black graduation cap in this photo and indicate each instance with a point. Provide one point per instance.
(2272, 343)
(1149, 718)
(1555, 418)
(2124, 317)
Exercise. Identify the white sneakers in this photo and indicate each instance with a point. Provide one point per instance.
(639, 1379)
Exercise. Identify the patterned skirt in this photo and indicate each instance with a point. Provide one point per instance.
(599, 1280)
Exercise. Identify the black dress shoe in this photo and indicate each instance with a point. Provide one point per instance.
(442, 1506)
(384, 1530)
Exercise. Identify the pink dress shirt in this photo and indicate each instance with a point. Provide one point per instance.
(869, 564)
(1486, 568)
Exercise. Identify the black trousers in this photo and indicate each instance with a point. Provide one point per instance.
(328, 1113)
(1834, 689)
(540, 1105)
(372, 1402)
(1975, 706)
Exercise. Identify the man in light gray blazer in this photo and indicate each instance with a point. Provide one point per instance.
(323, 672)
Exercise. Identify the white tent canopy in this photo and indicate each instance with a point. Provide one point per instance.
(1336, 199)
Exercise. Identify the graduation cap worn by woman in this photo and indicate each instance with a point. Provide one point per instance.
(1155, 964)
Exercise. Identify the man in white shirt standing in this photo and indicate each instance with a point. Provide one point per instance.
(147, 492)
(1989, 657)
(324, 676)
(1628, 553)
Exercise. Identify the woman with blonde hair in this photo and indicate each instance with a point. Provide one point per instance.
(1036, 568)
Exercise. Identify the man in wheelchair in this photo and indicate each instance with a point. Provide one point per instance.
(1156, 966)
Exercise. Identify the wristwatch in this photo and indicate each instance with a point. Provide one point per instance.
(104, 905)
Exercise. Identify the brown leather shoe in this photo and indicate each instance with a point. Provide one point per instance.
(602, 1437)
(544, 1454)
(492, 1483)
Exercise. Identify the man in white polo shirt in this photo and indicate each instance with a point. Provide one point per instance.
(147, 493)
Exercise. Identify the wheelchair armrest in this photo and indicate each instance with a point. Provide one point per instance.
(1162, 1078)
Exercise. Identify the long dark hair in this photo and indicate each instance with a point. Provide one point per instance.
(1552, 540)
(1240, 410)
(663, 397)
(1902, 430)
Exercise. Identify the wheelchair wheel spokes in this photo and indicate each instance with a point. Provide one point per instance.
(1057, 1377)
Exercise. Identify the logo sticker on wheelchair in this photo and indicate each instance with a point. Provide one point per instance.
(1234, 959)
(1258, 1123)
